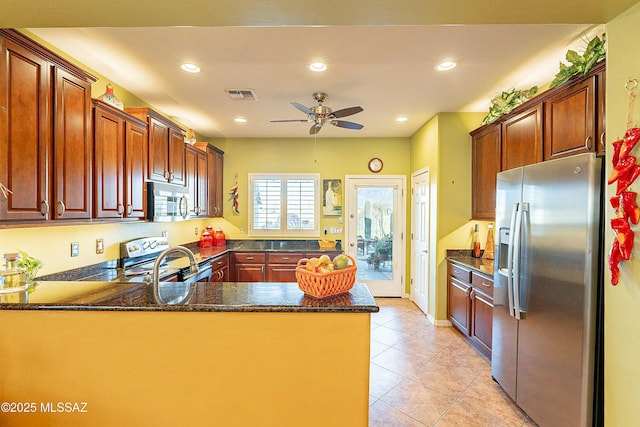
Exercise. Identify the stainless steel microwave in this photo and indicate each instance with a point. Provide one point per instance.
(167, 202)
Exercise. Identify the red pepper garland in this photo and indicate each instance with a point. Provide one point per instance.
(625, 172)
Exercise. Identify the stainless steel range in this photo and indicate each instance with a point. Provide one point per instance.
(138, 256)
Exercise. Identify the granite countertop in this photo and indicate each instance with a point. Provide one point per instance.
(463, 256)
(179, 296)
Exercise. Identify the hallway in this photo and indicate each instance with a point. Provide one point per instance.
(422, 375)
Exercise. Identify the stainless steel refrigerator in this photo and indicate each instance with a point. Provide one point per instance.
(547, 316)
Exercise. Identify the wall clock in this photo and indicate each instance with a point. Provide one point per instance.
(375, 165)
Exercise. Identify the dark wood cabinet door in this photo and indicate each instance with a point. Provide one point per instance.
(521, 139)
(72, 147)
(191, 178)
(135, 170)
(570, 121)
(108, 134)
(25, 133)
(485, 166)
(158, 151)
(215, 159)
(250, 273)
(459, 304)
(176, 157)
(202, 183)
(481, 321)
(281, 273)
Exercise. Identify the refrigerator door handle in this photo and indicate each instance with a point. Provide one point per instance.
(512, 233)
(516, 259)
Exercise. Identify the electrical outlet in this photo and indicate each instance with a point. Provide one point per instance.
(242, 229)
(75, 248)
(100, 245)
(196, 231)
(336, 230)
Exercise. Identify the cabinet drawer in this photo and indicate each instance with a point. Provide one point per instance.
(284, 257)
(220, 262)
(250, 257)
(460, 273)
(482, 283)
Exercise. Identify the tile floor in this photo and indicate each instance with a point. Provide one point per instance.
(422, 375)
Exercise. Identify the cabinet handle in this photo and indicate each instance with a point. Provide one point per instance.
(250, 258)
(166, 175)
(467, 292)
(602, 141)
(120, 209)
(484, 284)
(587, 143)
(61, 207)
(286, 258)
(129, 209)
(44, 208)
(170, 176)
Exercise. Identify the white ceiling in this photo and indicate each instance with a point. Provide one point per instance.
(380, 54)
(388, 70)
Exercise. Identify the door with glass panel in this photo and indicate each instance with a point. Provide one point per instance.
(374, 231)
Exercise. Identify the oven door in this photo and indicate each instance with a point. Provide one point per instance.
(167, 202)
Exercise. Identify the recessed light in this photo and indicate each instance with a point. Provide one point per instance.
(240, 120)
(317, 66)
(445, 66)
(401, 119)
(190, 68)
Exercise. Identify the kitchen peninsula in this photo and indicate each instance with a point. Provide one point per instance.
(229, 354)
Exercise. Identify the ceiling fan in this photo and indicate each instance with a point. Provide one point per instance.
(319, 115)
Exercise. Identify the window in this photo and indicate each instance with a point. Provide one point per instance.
(284, 205)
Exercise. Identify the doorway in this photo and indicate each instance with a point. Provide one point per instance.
(420, 239)
(374, 231)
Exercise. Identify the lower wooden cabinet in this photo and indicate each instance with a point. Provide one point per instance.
(281, 266)
(470, 304)
(249, 266)
(220, 269)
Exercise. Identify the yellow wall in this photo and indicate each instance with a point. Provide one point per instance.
(443, 145)
(622, 303)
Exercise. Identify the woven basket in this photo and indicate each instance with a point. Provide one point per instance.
(327, 245)
(322, 285)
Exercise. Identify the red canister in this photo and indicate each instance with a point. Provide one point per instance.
(219, 238)
(206, 240)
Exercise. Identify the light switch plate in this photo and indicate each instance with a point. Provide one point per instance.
(75, 248)
(100, 245)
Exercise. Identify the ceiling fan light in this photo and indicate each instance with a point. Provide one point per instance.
(446, 66)
(190, 68)
(318, 66)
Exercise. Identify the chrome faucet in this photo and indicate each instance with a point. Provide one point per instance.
(193, 267)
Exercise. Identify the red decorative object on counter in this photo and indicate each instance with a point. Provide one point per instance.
(219, 238)
(206, 240)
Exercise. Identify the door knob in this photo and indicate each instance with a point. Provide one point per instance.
(351, 244)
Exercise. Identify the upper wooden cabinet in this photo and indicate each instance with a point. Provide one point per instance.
(166, 148)
(120, 160)
(522, 138)
(45, 133)
(566, 120)
(485, 145)
(215, 161)
(570, 120)
(197, 180)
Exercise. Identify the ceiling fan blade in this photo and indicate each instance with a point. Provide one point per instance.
(292, 120)
(346, 112)
(346, 124)
(302, 108)
(315, 129)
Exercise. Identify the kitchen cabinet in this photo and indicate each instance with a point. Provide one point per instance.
(521, 139)
(485, 143)
(220, 268)
(570, 120)
(165, 146)
(45, 138)
(215, 161)
(281, 266)
(120, 160)
(470, 305)
(249, 266)
(196, 174)
(563, 121)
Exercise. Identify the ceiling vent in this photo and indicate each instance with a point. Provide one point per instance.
(241, 94)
